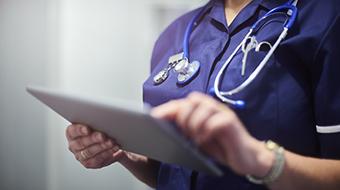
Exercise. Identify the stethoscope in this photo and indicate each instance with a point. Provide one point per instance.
(187, 70)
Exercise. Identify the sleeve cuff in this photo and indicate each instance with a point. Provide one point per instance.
(328, 129)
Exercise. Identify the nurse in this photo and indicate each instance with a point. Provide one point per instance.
(286, 136)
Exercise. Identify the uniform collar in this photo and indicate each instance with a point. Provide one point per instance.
(216, 8)
(270, 4)
(217, 13)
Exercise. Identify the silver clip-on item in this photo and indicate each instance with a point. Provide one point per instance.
(164, 73)
(247, 46)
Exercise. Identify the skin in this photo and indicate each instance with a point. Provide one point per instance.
(233, 7)
(101, 151)
(218, 132)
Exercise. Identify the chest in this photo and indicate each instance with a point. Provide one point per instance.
(279, 100)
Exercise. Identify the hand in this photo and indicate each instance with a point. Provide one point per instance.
(91, 148)
(218, 131)
(94, 150)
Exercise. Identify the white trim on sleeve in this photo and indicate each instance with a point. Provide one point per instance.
(328, 129)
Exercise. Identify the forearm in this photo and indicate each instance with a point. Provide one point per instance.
(308, 173)
(299, 172)
(143, 168)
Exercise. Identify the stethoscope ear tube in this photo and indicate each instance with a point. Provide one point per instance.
(293, 17)
(237, 104)
(188, 31)
(292, 12)
(188, 70)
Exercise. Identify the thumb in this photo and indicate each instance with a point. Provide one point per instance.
(119, 156)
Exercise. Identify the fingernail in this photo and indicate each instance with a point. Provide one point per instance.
(100, 137)
(84, 130)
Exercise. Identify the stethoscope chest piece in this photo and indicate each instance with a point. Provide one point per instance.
(187, 71)
(161, 77)
(179, 64)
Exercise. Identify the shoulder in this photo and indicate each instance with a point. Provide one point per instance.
(171, 38)
(320, 18)
(319, 11)
(315, 19)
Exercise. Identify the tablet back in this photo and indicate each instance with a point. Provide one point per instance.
(134, 129)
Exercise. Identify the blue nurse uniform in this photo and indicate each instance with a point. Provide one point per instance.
(295, 101)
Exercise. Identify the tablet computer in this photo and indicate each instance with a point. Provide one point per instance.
(130, 125)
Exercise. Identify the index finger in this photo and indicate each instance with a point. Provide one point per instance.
(167, 111)
(76, 130)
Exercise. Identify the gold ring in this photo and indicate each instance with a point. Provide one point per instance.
(84, 155)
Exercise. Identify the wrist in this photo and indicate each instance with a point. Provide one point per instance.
(276, 166)
(264, 161)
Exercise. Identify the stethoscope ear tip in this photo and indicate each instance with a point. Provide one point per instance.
(212, 92)
(239, 104)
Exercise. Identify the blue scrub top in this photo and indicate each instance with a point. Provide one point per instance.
(295, 101)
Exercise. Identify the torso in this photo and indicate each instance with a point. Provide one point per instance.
(279, 101)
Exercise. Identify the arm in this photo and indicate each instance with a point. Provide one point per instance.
(94, 150)
(308, 173)
(219, 132)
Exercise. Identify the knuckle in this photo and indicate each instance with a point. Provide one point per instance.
(195, 95)
(224, 122)
(94, 163)
(97, 136)
(79, 143)
(202, 99)
(87, 164)
(209, 106)
(77, 157)
(173, 101)
(91, 164)
(229, 117)
(211, 102)
(75, 146)
(102, 146)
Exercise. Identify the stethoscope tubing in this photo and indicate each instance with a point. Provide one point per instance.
(256, 72)
(188, 32)
(292, 12)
